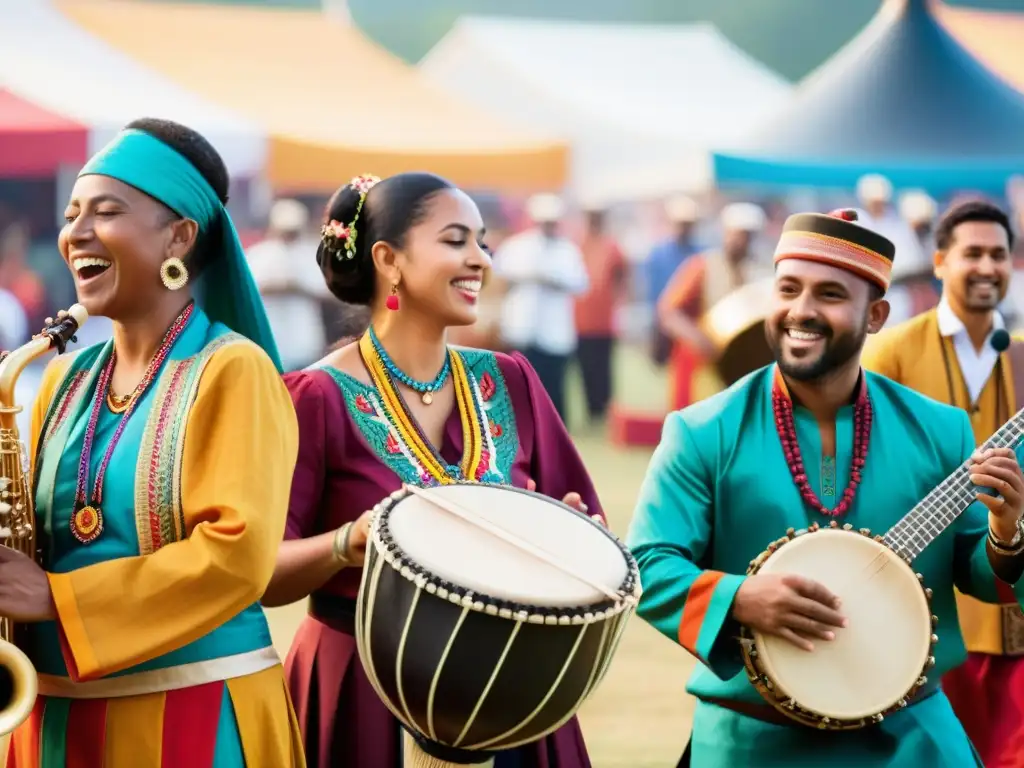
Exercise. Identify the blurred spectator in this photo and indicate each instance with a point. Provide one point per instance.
(544, 272)
(915, 289)
(16, 277)
(683, 214)
(13, 321)
(291, 284)
(701, 282)
(595, 310)
(874, 193)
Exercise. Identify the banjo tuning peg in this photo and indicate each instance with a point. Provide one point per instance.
(928, 594)
(833, 524)
(931, 662)
(865, 531)
(847, 527)
(920, 577)
(935, 621)
(935, 639)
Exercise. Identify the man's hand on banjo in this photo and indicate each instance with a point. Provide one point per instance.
(791, 607)
(998, 468)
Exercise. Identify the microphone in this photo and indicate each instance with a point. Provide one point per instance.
(1000, 340)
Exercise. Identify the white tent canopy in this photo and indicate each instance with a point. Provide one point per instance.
(48, 60)
(642, 105)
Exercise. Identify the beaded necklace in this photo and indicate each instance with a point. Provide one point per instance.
(434, 470)
(426, 389)
(87, 516)
(782, 406)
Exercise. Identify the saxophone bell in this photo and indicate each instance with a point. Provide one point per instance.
(19, 683)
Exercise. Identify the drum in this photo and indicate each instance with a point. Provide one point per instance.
(736, 325)
(487, 615)
(875, 664)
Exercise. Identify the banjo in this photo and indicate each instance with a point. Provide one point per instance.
(487, 615)
(881, 660)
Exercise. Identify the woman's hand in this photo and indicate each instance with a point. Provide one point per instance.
(573, 500)
(358, 538)
(25, 594)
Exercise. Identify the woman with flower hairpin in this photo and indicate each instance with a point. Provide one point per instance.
(410, 247)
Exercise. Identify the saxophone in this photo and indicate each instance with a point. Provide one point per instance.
(19, 684)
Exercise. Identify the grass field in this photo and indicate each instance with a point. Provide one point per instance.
(640, 716)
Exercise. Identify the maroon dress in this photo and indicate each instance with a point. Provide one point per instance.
(347, 463)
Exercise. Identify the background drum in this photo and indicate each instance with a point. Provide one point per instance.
(736, 325)
(487, 615)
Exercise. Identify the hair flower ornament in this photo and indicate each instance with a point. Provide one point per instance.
(339, 238)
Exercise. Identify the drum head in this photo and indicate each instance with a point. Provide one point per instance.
(874, 661)
(473, 558)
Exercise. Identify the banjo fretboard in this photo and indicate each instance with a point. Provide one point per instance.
(940, 508)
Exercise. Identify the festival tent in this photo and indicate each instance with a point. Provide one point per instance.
(903, 99)
(641, 104)
(995, 38)
(50, 61)
(334, 103)
(35, 141)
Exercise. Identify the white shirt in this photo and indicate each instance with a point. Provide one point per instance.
(13, 322)
(544, 276)
(976, 366)
(295, 317)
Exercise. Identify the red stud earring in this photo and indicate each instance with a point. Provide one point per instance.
(392, 300)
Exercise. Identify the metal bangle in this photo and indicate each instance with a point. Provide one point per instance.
(339, 548)
(1008, 548)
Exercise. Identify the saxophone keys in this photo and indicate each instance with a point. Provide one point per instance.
(5, 509)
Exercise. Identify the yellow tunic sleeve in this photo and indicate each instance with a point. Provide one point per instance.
(51, 379)
(881, 354)
(240, 451)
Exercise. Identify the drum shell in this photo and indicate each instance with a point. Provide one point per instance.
(735, 324)
(439, 665)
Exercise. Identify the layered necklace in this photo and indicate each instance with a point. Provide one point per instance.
(87, 516)
(478, 457)
(425, 389)
(782, 406)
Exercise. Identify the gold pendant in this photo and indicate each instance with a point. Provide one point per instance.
(87, 524)
(427, 398)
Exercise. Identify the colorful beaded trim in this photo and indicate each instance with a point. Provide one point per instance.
(422, 387)
(782, 406)
(87, 516)
(159, 514)
(478, 451)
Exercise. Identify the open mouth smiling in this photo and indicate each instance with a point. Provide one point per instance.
(89, 267)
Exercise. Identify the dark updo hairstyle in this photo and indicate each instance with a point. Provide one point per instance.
(194, 147)
(392, 207)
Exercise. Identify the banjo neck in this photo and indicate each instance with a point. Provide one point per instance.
(950, 498)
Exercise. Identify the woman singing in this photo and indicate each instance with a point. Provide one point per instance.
(410, 248)
(163, 466)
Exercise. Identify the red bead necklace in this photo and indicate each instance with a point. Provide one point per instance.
(87, 515)
(782, 405)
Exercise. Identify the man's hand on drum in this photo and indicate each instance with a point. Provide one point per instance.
(794, 608)
(998, 468)
(573, 500)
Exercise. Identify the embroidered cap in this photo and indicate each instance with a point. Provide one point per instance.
(837, 240)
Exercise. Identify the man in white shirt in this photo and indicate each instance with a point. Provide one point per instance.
(544, 272)
(291, 284)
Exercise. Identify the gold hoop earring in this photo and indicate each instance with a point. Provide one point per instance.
(173, 274)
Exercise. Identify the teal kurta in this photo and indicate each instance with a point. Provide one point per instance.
(718, 491)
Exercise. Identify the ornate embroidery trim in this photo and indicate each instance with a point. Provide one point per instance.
(68, 396)
(485, 391)
(159, 511)
(408, 434)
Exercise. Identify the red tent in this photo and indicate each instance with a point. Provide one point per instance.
(35, 142)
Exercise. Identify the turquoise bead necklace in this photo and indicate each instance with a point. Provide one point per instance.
(425, 389)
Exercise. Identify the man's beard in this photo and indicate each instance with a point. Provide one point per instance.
(977, 304)
(837, 352)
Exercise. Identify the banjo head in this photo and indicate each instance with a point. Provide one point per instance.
(874, 663)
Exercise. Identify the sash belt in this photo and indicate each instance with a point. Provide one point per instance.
(335, 611)
(160, 680)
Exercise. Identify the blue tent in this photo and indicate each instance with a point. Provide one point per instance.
(903, 99)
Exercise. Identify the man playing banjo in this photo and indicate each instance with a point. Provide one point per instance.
(806, 442)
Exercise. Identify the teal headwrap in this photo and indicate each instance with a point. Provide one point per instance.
(225, 290)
